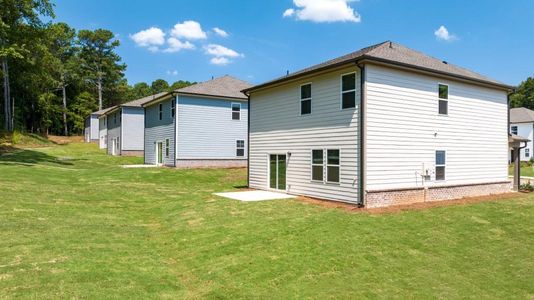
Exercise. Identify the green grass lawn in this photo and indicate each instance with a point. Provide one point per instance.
(73, 224)
(525, 171)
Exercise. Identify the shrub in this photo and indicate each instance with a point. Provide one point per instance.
(527, 187)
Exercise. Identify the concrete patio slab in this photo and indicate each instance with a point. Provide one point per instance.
(250, 196)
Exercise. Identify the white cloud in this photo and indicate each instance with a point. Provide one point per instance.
(150, 38)
(176, 45)
(173, 72)
(322, 11)
(220, 51)
(443, 34)
(221, 55)
(220, 61)
(220, 32)
(288, 12)
(189, 30)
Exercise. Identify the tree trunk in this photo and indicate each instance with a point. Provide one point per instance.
(99, 92)
(64, 109)
(7, 97)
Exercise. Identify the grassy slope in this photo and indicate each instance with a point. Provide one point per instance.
(74, 224)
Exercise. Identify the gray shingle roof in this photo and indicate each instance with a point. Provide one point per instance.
(393, 53)
(521, 115)
(226, 86)
(102, 111)
(141, 101)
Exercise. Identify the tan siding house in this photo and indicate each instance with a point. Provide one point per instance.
(413, 129)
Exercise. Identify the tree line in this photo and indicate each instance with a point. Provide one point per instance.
(524, 95)
(54, 76)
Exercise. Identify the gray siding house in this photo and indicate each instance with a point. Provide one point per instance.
(91, 131)
(203, 125)
(125, 127)
(385, 125)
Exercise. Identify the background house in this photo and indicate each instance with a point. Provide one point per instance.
(91, 131)
(125, 127)
(522, 124)
(103, 129)
(203, 125)
(381, 126)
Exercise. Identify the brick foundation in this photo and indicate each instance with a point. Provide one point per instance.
(211, 163)
(383, 198)
(132, 153)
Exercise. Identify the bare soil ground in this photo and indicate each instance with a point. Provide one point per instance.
(414, 206)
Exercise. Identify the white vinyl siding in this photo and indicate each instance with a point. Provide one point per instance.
(276, 128)
(403, 130)
(206, 129)
(133, 123)
(525, 130)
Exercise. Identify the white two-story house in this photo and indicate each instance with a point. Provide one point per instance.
(385, 125)
(522, 124)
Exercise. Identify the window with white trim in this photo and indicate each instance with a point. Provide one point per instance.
(236, 111)
(514, 130)
(167, 147)
(317, 165)
(240, 148)
(306, 99)
(443, 102)
(348, 91)
(173, 108)
(160, 111)
(527, 152)
(332, 165)
(440, 164)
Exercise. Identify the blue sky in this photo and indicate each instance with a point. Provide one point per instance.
(494, 38)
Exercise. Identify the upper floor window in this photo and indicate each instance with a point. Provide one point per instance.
(173, 108)
(240, 148)
(348, 91)
(115, 118)
(440, 165)
(514, 130)
(236, 111)
(443, 91)
(160, 111)
(305, 99)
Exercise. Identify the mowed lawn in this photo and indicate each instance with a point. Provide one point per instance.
(74, 224)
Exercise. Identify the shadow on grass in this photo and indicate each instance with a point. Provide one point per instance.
(27, 157)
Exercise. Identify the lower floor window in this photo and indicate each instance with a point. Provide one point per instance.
(167, 147)
(240, 148)
(440, 164)
(317, 165)
(331, 164)
(527, 152)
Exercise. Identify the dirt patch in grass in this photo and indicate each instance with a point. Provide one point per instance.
(62, 140)
(415, 206)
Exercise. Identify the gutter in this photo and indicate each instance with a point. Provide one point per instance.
(248, 142)
(361, 125)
